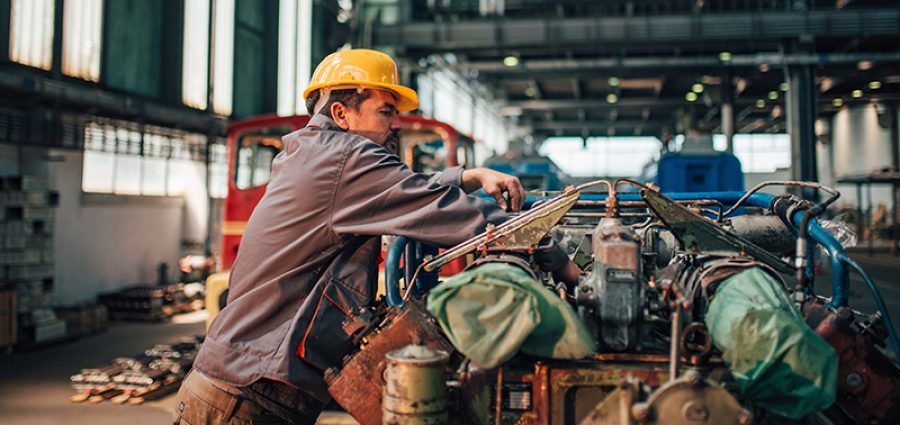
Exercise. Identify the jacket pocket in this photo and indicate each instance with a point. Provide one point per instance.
(324, 343)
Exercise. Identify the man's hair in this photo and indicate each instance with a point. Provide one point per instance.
(350, 98)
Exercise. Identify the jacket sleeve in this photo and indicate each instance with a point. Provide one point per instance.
(376, 194)
(450, 177)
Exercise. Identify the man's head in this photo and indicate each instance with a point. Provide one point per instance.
(359, 89)
(371, 113)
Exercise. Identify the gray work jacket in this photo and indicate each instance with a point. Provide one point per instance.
(309, 255)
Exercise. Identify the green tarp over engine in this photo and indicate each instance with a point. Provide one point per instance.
(491, 312)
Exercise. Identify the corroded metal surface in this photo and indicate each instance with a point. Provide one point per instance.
(521, 233)
(699, 234)
(684, 401)
(415, 388)
(357, 387)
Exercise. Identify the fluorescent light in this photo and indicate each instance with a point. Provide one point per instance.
(856, 94)
(511, 61)
(837, 102)
(82, 29)
(760, 103)
(783, 86)
(612, 98)
(697, 88)
(864, 65)
(613, 82)
(223, 56)
(875, 85)
(691, 97)
(31, 33)
(195, 68)
(773, 95)
(725, 56)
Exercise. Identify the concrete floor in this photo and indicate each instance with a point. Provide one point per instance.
(34, 386)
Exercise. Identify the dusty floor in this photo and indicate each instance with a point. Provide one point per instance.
(34, 386)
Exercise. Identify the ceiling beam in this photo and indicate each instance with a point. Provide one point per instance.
(596, 124)
(541, 66)
(628, 102)
(688, 28)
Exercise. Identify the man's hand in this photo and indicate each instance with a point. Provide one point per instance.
(495, 184)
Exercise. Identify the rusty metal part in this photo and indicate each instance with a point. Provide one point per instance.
(690, 400)
(675, 343)
(616, 408)
(696, 343)
(700, 234)
(522, 232)
(686, 400)
(415, 387)
(767, 231)
(357, 386)
(868, 381)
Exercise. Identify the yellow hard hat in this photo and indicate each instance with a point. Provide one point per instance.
(363, 68)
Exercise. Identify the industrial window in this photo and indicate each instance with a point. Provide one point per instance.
(121, 159)
(601, 156)
(254, 160)
(31, 33)
(759, 153)
(294, 54)
(82, 29)
(195, 71)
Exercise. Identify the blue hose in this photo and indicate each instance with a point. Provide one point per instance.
(392, 272)
(892, 334)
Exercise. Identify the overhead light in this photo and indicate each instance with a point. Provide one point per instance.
(613, 82)
(612, 98)
(783, 86)
(697, 88)
(874, 85)
(837, 102)
(725, 56)
(530, 91)
(864, 65)
(773, 95)
(760, 103)
(511, 61)
(690, 97)
(707, 79)
(856, 94)
(764, 67)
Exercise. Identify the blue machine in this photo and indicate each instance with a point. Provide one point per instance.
(701, 172)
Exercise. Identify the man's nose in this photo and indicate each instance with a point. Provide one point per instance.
(396, 124)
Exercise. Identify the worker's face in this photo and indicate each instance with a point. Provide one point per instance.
(376, 119)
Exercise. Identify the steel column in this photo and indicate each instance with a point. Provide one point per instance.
(727, 113)
(801, 121)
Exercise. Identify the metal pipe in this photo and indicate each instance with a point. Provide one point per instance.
(392, 271)
(675, 348)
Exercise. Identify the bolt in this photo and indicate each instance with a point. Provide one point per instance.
(692, 378)
(640, 412)
(854, 380)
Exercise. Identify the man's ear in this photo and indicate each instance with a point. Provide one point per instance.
(339, 115)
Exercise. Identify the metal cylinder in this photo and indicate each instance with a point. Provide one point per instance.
(415, 388)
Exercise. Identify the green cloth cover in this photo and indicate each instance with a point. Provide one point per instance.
(493, 311)
(780, 363)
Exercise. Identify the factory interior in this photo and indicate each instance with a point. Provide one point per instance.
(721, 176)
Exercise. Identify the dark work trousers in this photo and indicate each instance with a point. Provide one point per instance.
(201, 403)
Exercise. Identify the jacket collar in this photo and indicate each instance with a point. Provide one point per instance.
(323, 122)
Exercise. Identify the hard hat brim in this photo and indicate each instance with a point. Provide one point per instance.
(407, 99)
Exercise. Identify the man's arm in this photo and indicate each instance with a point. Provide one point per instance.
(493, 182)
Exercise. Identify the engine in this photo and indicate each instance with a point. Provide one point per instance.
(698, 309)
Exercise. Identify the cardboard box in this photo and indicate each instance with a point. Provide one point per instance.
(49, 331)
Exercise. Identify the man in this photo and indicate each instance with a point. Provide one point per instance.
(308, 257)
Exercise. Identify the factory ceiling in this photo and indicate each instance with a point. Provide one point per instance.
(616, 67)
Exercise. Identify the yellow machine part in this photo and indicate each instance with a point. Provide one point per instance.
(216, 285)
